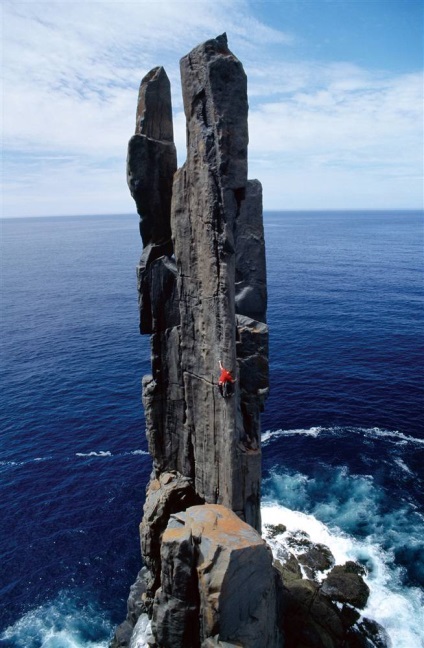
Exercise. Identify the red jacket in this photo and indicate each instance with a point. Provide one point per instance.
(225, 377)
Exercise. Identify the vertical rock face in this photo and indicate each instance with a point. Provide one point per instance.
(213, 207)
(202, 298)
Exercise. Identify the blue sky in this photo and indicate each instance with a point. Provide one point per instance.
(335, 94)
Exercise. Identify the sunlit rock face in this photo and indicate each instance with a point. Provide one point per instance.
(217, 583)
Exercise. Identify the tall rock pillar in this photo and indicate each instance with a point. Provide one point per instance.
(211, 200)
(202, 298)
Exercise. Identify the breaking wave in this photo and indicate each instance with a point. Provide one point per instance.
(70, 621)
(399, 609)
(336, 431)
(100, 453)
(358, 518)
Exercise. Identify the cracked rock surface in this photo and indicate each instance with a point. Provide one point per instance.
(202, 299)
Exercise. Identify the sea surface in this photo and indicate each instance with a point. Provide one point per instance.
(343, 432)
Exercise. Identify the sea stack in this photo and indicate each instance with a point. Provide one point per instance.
(208, 576)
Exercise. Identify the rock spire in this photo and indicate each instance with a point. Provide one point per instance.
(202, 298)
(209, 578)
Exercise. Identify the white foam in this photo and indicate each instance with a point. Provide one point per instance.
(393, 435)
(403, 465)
(398, 437)
(11, 464)
(319, 533)
(272, 434)
(139, 452)
(400, 610)
(63, 623)
(101, 453)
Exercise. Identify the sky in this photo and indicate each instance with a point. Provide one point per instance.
(335, 98)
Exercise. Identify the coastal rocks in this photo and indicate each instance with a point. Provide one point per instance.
(345, 584)
(218, 586)
(322, 602)
(135, 609)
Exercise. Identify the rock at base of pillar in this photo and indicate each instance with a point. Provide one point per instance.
(217, 569)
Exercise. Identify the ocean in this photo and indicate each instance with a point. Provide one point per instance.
(343, 433)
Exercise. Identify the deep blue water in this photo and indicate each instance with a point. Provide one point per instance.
(343, 430)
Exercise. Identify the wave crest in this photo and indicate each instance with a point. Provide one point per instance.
(375, 432)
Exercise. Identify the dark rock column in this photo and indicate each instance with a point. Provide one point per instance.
(209, 198)
(152, 159)
(202, 298)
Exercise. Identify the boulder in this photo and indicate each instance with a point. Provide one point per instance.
(311, 620)
(316, 558)
(368, 634)
(218, 584)
(345, 585)
(274, 530)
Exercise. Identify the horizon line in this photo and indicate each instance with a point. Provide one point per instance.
(264, 211)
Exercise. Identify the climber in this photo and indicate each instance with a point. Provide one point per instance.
(225, 382)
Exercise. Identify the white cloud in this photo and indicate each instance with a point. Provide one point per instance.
(354, 141)
(71, 76)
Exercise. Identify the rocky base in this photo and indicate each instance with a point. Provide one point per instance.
(322, 602)
(135, 609)
(218, 586)
(319, 603)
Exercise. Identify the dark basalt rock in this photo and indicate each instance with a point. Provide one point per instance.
(313, 616)
(251, 290)
(346, 586)
(203, 262)
(188, 301)
(135, 607)
(368, 634)
(275, 529)
(317, 558)
(152, 158)
(210, 195)
(312, 621)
